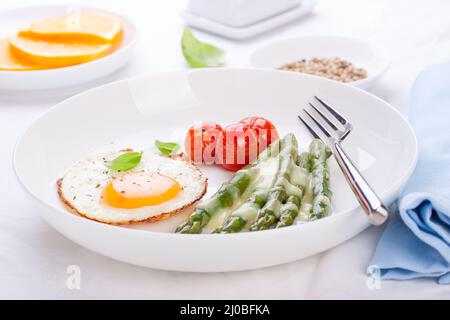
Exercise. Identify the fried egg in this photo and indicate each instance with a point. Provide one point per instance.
(156, 188)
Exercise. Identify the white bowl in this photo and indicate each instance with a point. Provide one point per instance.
(360, 53)
(11, 20)
(132, 113)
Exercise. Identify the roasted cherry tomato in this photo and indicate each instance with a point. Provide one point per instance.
(201, 140)
(265, 131)
(236, 147)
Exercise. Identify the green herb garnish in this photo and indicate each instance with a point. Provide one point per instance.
(125, 161)
(167, 148)
(199, 54)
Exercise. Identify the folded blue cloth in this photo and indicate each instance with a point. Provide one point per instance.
(416, 242)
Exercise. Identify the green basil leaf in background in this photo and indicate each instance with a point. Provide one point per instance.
(125, 161)
(167, 148)
(199, 54)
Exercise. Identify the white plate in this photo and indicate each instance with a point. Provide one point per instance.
(132, 113)
(11, 20)
(360, 53)
(304, 8)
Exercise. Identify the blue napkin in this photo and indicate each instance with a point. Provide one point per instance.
(416, 243)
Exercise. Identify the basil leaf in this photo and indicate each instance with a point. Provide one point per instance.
(167, 148)
(125, 161)
(199, 54)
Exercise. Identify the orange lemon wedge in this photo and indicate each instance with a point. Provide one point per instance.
(80, 27)
(9, 62)
(56, 54)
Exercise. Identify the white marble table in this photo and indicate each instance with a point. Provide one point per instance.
(34, 257)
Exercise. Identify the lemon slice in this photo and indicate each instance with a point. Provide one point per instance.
(55, 54)
(9, 62)
(80, 27)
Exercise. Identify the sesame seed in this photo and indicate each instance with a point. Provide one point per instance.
(332, 68)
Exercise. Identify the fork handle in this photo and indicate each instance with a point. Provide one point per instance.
(368, 199)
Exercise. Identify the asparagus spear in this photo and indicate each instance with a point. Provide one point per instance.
(296, 191)
(225, 197)
(269, 214)
(272, 150)
(289, 211)
(275, 148)
(320, 179)
(304, 161)
(317, 191)
(240, 217)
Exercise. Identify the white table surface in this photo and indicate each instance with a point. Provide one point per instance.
(34, 257)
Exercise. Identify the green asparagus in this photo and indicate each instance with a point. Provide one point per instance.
(245, 213)
(320, 179)
(225, 197)
(277, 192)
(269, 214)
(289, 211)
(304, 161)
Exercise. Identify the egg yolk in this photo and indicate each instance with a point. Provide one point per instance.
(140, 189)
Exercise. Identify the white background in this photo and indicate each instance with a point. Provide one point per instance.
(34, 258)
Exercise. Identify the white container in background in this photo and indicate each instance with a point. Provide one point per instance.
(362, 54)
(239, 13)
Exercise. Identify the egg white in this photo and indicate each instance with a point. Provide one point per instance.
(82, 186)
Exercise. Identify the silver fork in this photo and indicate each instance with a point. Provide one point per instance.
(326, 124)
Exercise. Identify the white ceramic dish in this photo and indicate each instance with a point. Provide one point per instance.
(250, 30)
(362, 54)
(11, 20)
(132, 113)
(239, 13)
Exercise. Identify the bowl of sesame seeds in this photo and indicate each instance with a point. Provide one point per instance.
(342, 59)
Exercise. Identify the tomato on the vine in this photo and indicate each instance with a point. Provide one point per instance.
(200, 142)
(236, 146)
(265, 131)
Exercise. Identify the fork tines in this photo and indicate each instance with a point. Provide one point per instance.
(323, 121)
